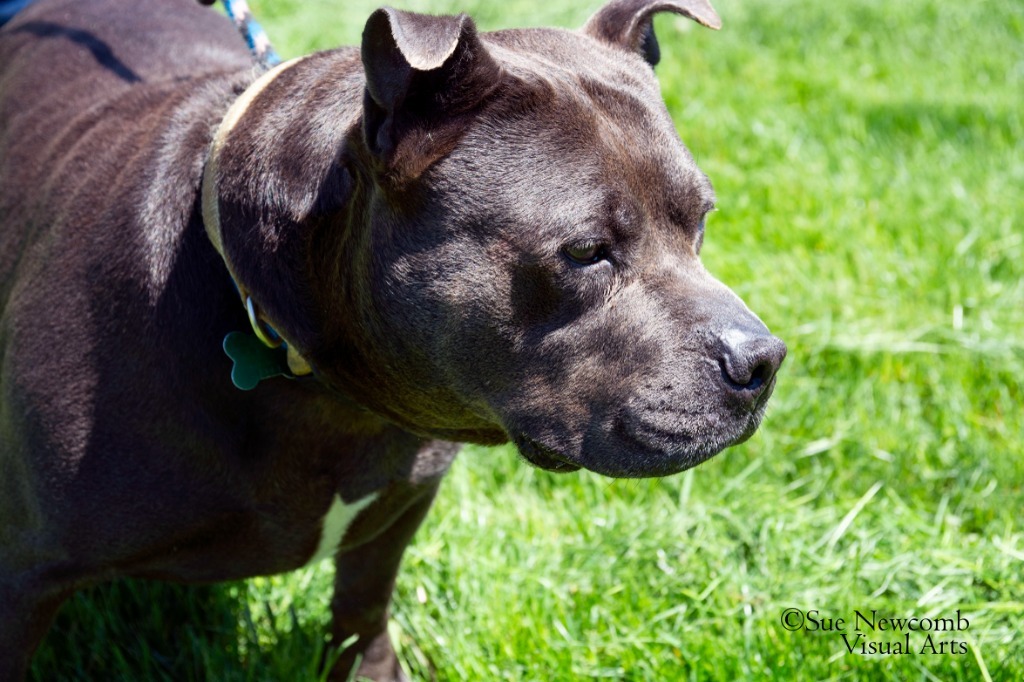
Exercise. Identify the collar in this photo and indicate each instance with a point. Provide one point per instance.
(273, 355)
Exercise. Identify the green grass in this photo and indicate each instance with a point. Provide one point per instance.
(869, 162)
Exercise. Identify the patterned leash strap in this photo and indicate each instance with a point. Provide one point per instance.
(254, 35)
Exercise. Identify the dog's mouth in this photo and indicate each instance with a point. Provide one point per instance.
(640, 447)
(543, 457)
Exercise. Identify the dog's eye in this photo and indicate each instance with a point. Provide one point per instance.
(586, 252)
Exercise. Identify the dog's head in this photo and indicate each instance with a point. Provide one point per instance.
(518, 253)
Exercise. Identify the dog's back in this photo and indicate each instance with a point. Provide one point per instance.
(53, 98)
(106, 110)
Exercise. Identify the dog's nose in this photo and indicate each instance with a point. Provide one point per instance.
(749, 362)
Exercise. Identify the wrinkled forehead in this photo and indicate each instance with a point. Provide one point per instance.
(578, 116)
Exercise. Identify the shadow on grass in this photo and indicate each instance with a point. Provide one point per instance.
(142, 630)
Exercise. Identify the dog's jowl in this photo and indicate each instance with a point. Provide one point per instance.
(441, 236)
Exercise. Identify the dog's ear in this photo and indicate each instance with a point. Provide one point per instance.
(423, 74)
(627, 23)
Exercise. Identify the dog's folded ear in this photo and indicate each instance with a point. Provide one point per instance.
(422, 74)
(627, 23)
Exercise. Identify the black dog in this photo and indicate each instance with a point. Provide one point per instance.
(456, 236)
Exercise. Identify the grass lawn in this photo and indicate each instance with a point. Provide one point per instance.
(868, 158)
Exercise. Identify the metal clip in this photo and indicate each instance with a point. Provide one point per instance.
(263, 331)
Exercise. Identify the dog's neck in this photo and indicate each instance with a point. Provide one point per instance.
(263, 328)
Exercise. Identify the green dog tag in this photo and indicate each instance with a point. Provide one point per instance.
(254, 361)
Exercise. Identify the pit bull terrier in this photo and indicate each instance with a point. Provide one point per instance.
(442, 236)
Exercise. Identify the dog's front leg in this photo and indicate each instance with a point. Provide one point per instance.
(362, 590)
(25, 615)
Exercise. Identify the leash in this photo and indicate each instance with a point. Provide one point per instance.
(253, 34)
